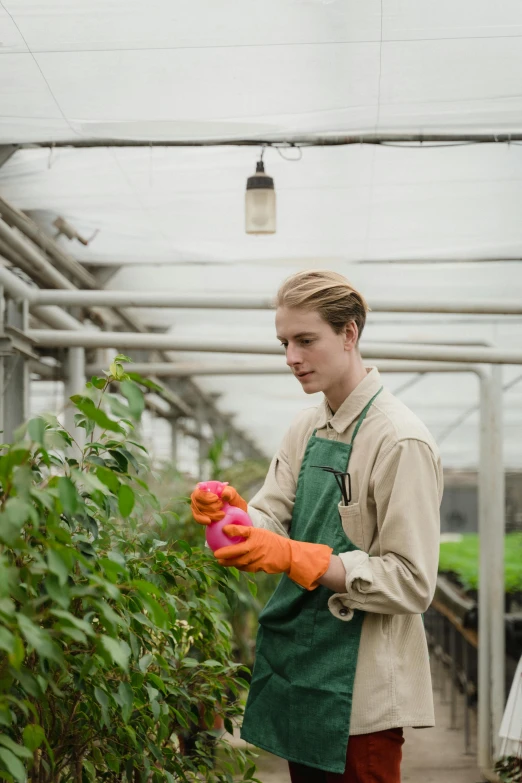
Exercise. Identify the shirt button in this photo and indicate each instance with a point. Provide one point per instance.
(343, 612)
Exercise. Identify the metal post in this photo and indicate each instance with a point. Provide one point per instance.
(496, 527)
(453, 654)
(465, 662)
(491, 663)
(74, 384)
(14, 374)
(174, 434)
(484, 724)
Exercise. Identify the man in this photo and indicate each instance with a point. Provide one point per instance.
(349, 514)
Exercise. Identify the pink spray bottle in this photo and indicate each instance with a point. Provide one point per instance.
(233, 516)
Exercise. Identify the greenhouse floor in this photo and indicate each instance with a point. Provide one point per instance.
(429, 755)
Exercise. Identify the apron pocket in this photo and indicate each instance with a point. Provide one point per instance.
(351, 520)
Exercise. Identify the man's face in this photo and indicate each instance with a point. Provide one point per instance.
(314, 352)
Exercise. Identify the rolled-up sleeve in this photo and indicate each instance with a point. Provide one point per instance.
(401, 578)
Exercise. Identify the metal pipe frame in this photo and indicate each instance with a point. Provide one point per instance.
(317, 140)
(182, 370)
(73, 383)
(52, 338)
(66, 263)
(21, 245)
(104, 298)
(56, 317)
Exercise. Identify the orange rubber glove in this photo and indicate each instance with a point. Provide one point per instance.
(263, 550)
(207, 507)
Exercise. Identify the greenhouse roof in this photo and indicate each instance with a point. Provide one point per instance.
(410, 220)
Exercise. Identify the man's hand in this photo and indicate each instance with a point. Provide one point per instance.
(207, 507)
(263, 550)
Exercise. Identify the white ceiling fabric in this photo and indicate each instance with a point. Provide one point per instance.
(238, 69)
(195, 69)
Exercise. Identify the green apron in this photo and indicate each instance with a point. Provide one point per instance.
(300, 699)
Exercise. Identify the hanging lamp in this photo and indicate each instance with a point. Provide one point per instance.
(260, 202)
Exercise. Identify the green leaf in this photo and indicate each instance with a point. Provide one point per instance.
(122, 358)
(101, 697)
(181, 718)
(68, 495)
(119, 651)
(36, 430)
(117, 371)
(17, 656)
(135, 398)
(145, 662)
(126, 699)
(126, 500)
(103, 700)
(158, 682)
(18, 750)
(6, 640)
(99, 417)
(13, 765)
(134, 376)
(252, 586)
(38, 638)
(78, 622)
(56, 592)
(18, 511)
(229, 726)
(109, 478)
(59, 563)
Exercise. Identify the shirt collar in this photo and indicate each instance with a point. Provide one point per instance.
(353, 404)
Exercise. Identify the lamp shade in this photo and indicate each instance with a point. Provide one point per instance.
(260, 203)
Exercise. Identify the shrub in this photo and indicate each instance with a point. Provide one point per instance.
(112, 641)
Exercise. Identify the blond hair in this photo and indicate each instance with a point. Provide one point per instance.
(328, 293)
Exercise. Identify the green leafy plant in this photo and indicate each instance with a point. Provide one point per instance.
(462, 558)
(113, 643)
(509, 769)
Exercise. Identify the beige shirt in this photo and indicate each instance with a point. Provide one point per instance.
(393, 517)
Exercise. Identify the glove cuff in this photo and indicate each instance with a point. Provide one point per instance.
(309, 563)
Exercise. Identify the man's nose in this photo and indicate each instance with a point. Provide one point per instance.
(292, 356)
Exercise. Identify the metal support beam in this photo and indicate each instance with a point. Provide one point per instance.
(74, 365)
(183, 370)
(41, 265)
(66, 263)
(14, 367)
(310, 139)
(495, 488)
(174, 436)
(88, 339)
(6, 150)
(59, 319)
(103, 298)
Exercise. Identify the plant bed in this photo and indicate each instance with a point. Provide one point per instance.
(459, 561)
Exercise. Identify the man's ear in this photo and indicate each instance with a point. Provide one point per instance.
(351, 336)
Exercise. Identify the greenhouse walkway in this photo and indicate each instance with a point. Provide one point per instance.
(430, 756)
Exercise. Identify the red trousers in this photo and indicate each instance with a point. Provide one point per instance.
(370, 758)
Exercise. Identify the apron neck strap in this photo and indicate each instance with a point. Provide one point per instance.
(363, 415)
